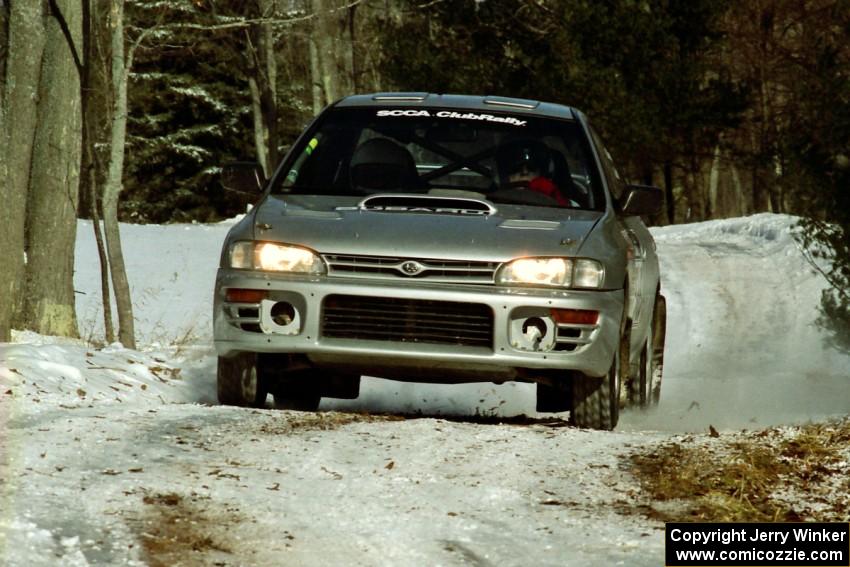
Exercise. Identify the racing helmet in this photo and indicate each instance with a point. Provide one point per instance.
(526, 155)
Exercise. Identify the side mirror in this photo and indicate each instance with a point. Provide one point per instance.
(641, 200)
(243, 177)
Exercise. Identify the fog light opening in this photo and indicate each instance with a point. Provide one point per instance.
(279, 317)
(282, 313)
(534, 330)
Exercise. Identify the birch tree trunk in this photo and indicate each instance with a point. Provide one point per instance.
(325, 35)
(714, 183)
(113, 186)
(262, 83)
(260, 131)
(53, 195)
(268, 95)
(315, 77)
(18, 115)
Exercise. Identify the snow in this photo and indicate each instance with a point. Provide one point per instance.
(110, 456)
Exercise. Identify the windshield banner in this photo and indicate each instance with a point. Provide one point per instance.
(452, 114)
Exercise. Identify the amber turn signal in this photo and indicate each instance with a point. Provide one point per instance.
(574, 316)
(236, 295)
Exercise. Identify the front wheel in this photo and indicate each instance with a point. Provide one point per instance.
(238, 382)
(596, 400)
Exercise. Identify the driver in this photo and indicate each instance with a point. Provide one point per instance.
(527, 164)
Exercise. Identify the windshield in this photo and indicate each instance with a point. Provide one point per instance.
(503, 158)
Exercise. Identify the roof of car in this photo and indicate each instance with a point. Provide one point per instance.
(463, 102)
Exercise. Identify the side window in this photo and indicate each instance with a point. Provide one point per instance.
(615, 181)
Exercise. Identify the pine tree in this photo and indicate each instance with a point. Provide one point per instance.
(189, 112)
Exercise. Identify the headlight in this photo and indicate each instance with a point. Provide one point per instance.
(537, 271)
(554, 272)
(273, 257)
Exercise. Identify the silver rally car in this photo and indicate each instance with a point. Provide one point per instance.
(442, 238)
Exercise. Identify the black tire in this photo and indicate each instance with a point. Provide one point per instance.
(659, 338)
(238, 382)
(596, 400)
(643, 380)
(645, 387)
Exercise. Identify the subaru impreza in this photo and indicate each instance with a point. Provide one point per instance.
(443, 238)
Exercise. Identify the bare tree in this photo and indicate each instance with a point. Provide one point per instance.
(262, 81)
(51, 219)
(18, 116)
(39, 126)
(332, 48)
(95, 92)
(113, 186)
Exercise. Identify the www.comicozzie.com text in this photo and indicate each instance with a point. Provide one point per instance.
(726, 537)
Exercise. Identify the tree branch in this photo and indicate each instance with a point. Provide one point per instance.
(66, 31)
(834, 284)
(254, 21)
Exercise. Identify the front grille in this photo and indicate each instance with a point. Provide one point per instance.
(407, 321)
(389, 267)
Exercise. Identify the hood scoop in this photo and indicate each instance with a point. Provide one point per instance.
(531, 224)
(423, 204)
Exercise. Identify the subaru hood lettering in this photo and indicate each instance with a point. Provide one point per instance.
(361, 228)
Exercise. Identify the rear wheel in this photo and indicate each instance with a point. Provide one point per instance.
(647, 384)
(238, 382)
(659, 337)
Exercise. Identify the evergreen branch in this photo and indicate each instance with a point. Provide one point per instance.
(255, 21)
(827, 276)
(429, 4)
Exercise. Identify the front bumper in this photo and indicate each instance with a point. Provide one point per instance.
(587, 348)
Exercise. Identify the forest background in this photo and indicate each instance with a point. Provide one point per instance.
(114, 109)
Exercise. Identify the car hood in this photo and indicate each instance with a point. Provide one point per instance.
(338, 225)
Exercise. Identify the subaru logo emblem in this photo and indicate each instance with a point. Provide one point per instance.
(411, 268)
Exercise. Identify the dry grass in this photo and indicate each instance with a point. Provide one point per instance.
(787, 474)
(176, 530)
